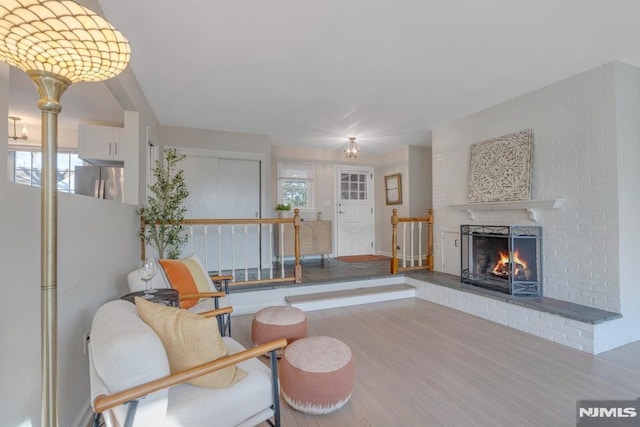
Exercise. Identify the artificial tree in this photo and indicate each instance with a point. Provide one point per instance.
(164, 211)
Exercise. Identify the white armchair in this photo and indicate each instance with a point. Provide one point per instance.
(131, 384)
(214, 295)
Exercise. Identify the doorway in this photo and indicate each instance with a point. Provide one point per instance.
(354, 215)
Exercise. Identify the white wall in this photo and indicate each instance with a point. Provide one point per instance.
(97, 247)
(324, 186)
(228, 142)
(415, 196)
(585, 150)
(396, 161)
(627, 329)
(419, 182)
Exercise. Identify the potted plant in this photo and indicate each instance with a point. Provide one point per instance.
(282, 209)
(164, 210)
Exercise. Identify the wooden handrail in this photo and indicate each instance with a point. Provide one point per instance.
(395, 220)
(106, 402)
(202, 221)
(416, 218)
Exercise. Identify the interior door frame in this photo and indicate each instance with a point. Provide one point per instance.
(338, 169)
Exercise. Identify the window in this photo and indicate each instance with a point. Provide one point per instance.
(25, 167)
(353, 186)
(295, 184)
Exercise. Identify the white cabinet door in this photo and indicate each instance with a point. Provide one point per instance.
(100, 143)
(118, 152)
(451, 252)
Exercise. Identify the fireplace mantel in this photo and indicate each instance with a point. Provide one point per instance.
(531, 206)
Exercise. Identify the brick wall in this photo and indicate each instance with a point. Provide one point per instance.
(574, 126)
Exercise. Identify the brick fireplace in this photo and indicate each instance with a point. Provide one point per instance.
(585, 151)
(506, 259)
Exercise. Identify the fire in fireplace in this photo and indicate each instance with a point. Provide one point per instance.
(503, 270)
(507, 259)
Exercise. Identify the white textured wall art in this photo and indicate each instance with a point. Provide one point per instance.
(500, 168)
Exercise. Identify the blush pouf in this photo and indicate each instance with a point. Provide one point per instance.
(273, 323)
(317, 374)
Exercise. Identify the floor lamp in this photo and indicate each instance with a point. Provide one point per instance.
(56, 43)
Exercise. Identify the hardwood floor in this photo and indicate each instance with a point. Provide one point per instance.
(418, 363)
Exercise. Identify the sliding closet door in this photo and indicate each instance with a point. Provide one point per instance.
(240, 186)
(223, 188)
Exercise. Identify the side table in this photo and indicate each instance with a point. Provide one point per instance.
(165, 296)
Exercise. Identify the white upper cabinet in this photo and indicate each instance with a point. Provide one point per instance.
(100, 144)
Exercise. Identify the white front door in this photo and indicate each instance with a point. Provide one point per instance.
(354, 216)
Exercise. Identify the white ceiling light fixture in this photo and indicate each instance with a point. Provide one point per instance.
(352, 150)
(23, 136)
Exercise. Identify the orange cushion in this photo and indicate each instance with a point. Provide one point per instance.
(180, 279)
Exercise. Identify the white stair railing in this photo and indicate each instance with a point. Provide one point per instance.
(243, 248)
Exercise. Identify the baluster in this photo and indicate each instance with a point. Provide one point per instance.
(412, 233)
(191, 238)
(404, 245)
(246, 252)
(258, 260)
(297, 269)
(281, 230)
(270, 245)
(233, 251)
(420, 244)
(219, 250)
(205, 230)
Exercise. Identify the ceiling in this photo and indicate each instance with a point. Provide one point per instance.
(313, 73)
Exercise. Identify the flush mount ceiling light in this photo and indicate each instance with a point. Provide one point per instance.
(15, 136)
(352, 150)
(56, 43)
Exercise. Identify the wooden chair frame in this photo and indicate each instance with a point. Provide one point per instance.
(132, 395)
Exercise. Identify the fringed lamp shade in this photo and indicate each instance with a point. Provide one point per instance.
(61, 38)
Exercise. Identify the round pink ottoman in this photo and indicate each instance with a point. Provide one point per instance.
(272, 323)
(317, 374)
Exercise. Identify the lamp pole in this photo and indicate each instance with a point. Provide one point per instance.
(50, 88)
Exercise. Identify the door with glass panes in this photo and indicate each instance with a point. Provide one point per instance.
(354, 214)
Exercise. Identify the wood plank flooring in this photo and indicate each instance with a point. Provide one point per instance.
(419, 364)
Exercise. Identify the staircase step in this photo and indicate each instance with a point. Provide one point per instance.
(347, 297)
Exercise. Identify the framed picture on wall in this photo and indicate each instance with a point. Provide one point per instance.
(393, 189)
